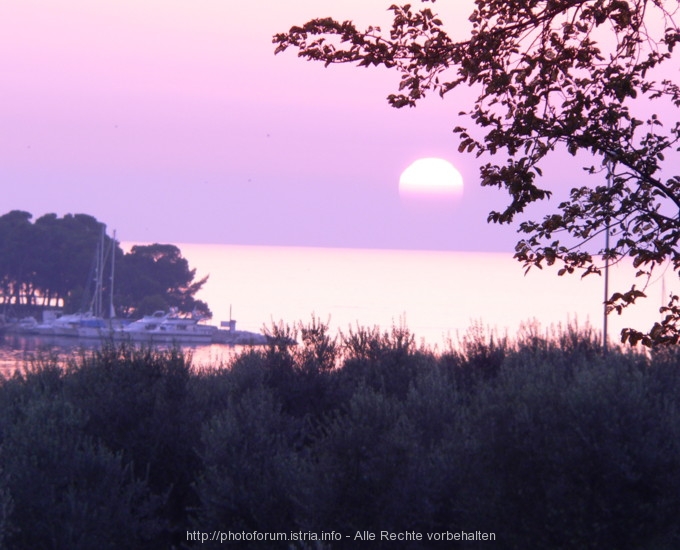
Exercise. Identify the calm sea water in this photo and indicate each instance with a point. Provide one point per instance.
(437, 295)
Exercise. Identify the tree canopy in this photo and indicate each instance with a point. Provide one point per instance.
(156, 277)
(589, 76)
(51, 263)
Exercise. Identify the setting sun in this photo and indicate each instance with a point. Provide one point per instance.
(431, 178)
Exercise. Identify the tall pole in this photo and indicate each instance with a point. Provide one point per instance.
(97, 304)
(606, 266)
(112, 309)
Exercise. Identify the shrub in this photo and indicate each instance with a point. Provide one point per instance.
(69, 490)
(383, 361)
(365, 468)
(478, 357)
(545, 441)
(136, 401)
(251, 475)
(586, 457)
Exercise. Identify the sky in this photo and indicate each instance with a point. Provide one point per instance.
(173, 121)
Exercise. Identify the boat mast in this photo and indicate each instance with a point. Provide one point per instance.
(112, 310)
(100, 274)
(96, 304)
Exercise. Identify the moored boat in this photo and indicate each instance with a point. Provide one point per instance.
(165, 327)
(96, 322)
(64, 325)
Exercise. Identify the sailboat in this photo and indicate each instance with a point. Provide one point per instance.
(96, 322)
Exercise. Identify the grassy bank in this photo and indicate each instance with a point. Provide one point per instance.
(545, 442)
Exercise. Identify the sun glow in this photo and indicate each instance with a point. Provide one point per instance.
(431, 178)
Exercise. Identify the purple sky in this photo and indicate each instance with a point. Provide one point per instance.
(173, 121)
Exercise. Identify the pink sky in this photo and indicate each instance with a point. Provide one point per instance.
(173, 121)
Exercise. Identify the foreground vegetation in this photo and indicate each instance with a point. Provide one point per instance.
(545, 442)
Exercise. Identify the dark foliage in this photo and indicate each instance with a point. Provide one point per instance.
(546, 442)
(50, 263)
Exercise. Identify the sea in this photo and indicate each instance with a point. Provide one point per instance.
(437, 295)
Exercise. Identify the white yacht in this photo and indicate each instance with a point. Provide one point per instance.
(165, 327)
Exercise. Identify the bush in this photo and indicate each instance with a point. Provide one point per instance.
(68, 490)
(137, 403)
(363, 465)
(251, 476)
(544, 441)
(383, 361)
(585, 457)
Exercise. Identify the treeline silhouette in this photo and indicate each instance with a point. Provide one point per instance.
(545, 441)
(51, 263)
